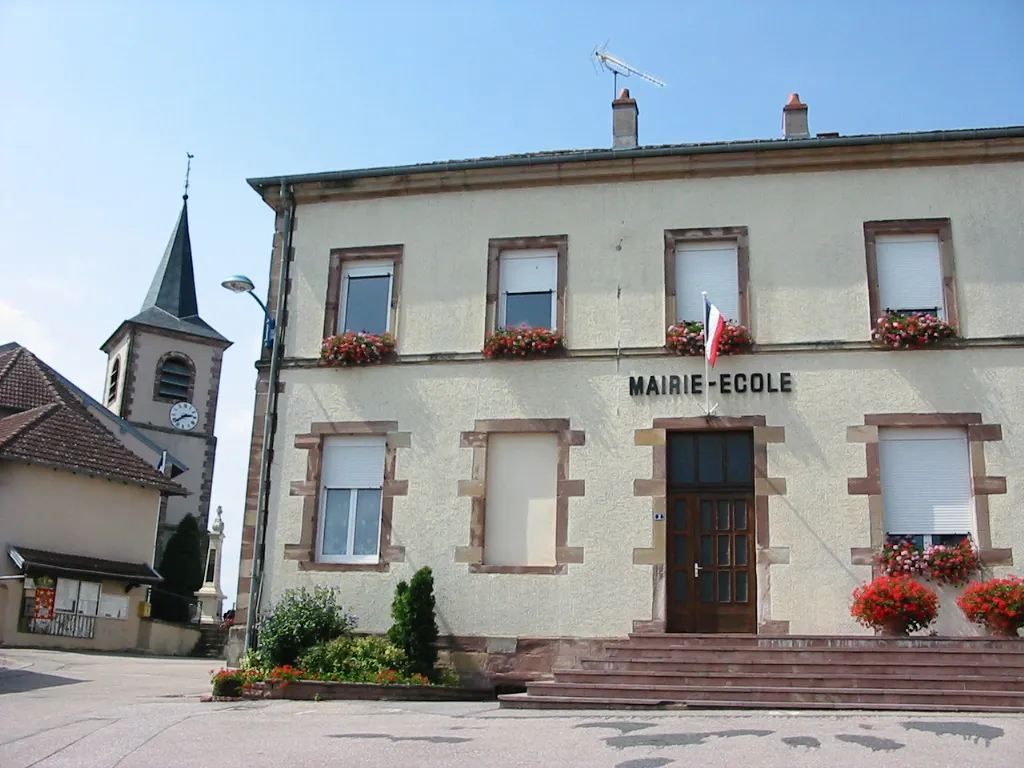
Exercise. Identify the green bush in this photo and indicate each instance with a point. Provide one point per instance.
(253, 660)
(301, 620)
(415, 628)
(354, 659)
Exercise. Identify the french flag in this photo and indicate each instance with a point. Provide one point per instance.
(714, 327)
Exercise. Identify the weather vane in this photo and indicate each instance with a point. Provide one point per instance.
(188, 170)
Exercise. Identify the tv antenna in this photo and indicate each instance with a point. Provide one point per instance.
(618, 67)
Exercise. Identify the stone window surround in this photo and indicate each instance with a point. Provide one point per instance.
(309, 490)
(940, 227)
(494, 248)
(656, 487)
(159, 368)
(982, 485)
(476, 490)
(342, 256)
(676, 237)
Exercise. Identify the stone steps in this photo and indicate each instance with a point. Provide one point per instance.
(783, 666)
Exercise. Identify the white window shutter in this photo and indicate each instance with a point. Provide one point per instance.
(66, 597)
(909, 272)
(353, 462)
(926, 481)
(532, 271)
(712, 267)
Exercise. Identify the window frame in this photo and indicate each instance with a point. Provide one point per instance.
(356, 258)
(174, 355)
(367, 268)
(532, 253)
(348, 557)
(114, 381)
(675, 238)
(497, 246)
(942, 228)
(77, 610)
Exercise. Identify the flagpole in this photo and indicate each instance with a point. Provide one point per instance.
(707, 369)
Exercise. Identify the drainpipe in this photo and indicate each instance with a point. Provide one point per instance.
(259, 545)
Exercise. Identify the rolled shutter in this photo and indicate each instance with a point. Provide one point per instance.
(353, 462)
(910, 272)
(926, 481)
(712, 267)
(535, 273)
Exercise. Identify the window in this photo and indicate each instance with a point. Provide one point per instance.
(528, 289)
(522, 484)
(366, 297)
(352, 483)
(926, 484)
(115, 375)
(174, 378)
(73, 596)
(707, 266)
(910, 268)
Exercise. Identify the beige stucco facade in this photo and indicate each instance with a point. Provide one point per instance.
(809, 317)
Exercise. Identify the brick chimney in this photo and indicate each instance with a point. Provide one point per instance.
(624, 114)
(794, 119)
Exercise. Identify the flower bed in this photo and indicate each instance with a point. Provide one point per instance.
(522, 342)
(941, 563)
(911, 331)
(997, 604)
(354, 348)
(687, 339)
(896, 605)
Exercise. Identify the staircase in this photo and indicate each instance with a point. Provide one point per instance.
(212, 640)
(793, 672)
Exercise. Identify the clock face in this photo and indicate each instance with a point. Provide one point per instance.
(184, 416)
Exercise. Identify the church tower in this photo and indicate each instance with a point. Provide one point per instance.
(163, 376)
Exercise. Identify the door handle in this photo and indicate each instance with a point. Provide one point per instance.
(696, 570)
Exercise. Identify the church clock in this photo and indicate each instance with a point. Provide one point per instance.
(184, 416)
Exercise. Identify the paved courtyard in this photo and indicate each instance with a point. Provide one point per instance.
(90, 710)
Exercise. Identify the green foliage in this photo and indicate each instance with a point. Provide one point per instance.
(253, 660)
(448, 677)
(299, 621)
(355, 660)
(415, 628)
(182, 568)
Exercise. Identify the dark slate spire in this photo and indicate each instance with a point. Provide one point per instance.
(171, 302)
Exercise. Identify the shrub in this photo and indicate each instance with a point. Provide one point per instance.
(355, 660)
(997, 604)
(356, 348)
(448, 677)
(182, 568)
(687, 339)
(521, 342)
(231, 682)
(919, 329)
(895, 603)
(253, 659)
(399, 632)
(299, 621)
(421, 641)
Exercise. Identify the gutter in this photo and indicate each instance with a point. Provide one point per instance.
(582, 156)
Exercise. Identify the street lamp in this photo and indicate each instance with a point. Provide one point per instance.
(242, 284)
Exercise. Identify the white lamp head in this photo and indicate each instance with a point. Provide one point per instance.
(238, 284)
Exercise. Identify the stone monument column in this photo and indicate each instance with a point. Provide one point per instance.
(210, 595)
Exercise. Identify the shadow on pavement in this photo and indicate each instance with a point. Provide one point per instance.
(20, 680)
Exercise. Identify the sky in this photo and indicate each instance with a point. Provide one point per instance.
(101, 100)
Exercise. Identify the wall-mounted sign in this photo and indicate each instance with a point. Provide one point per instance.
(659, 515)
(724, 383)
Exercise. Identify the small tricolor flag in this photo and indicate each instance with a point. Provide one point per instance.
(714, 327)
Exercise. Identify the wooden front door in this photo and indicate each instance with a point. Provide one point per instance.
(711, 580)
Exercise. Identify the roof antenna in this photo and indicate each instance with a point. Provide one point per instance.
(618, 67)
(188, 171)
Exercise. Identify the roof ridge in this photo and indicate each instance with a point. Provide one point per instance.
(29, 418)
(9, 364)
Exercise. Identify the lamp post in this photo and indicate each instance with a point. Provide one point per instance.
(242, 284)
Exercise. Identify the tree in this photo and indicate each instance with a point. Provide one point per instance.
(415, 628)
(399, 633)
(182, 567)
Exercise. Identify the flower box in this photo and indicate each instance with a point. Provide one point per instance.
(944, 564)
(895, 605)
(912, 331)
(522, 342)
(687, 339)
(354, 348)
(997, 604)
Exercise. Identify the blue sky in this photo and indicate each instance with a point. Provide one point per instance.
(102, 99)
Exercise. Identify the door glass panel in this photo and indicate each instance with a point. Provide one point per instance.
(682, 584)
(724, 584)
(679, 518)
(710, 459)
(741, 551)
(707, 588)
(723, 550)
(723, 515)
(707, 553)
(741, 514)
(680, 549)
(682, 469)
(740, 457)
(741, 586)
(707, 511)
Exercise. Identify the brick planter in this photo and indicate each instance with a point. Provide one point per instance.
(310, 690)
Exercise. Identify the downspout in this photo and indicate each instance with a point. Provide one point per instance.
(287, 203)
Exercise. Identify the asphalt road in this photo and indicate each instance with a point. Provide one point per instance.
(91, 711)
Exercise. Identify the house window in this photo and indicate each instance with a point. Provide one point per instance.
(926, 484)
(528, 289)
(74, 596)
(112, 381)
(910, 268)
(174, 378)
(715, 261)
(351, 490)
(366, 297)
(521, 491)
